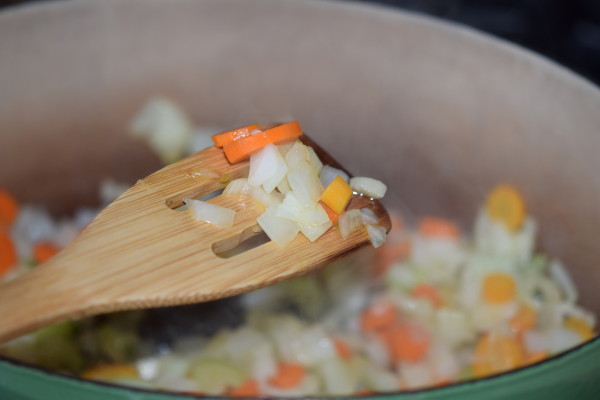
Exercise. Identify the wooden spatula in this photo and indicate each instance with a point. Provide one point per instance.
(140, 252)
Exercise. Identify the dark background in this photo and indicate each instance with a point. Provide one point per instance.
(567, 31)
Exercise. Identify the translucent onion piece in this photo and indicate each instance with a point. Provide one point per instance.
(279, 230)
(561, 276)
(297, 154)
(314, 231)
(328, 174)
(368, 186)
(281, 170)
(368, 216)
(305, 183)
(377, 235)
(264, 165)
(238, 186)
(313, 159)
(291, 208)
(242, 187)
(166, 128)
(349, 222)
(211, 213)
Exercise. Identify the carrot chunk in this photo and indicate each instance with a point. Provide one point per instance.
(342, 349)
(288, 375)
(8, 209)
(505, 204)
(246, 389)
(221, 139)
(242, 148)
(427, 292)
(438, 227)
(337, 195)
(333, 216)
(580, 327)
(377, 317)
(43, 251)
(496, 353)
(8, 254)
(498, 288)
(524, 320)
(407, 342)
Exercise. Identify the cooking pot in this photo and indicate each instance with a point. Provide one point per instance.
(439, 112)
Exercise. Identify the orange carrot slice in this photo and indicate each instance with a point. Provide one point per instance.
(8, 254)
(579, 326)
(427, 292)
(378, 316)
(242, 148)
(246, 389)
(288, 375)
(498, 287)
(438, 227)
(43, 251)
(8, 209)
(221, 139)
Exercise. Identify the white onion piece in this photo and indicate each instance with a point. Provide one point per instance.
(561, 276)
(284, 186)
(285, 147)
(313, 159)
(264, 165)
(291, 208)
(238, 186)
(211, 213)
(297, 154)
(281, 170)
(166, 128)
(305, 183)
(314, 222)
(242, 187)
(377, 235)
(380, 379)
(279, 230)
(349, 222)
(368, 216)
(368, 186)
(328, 174)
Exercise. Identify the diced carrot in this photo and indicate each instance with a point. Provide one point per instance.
(505, 204)
(406, 342)
(8, 209)
(498, 287)
(388, 253)
(427, 292)
(43, 251)
(579, 326)
(246, 389)
(342, 349)
(524, 320)
(496, 353)
(8, 254)
(337, 195)
(333, 216)
(364, 393)
(536, 357)
(378, 316)
(288, 375)
(220, 139)
(438, 227)
(242, 148)
(110, 372)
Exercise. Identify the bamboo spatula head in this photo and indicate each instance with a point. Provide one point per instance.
(140, 252)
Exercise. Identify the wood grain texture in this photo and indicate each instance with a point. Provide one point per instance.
(140, 252)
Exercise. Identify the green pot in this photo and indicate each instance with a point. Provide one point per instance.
(439, 112)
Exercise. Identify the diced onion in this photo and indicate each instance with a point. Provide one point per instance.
(368, 186)
(305, 183)
(279, 230)
(376, 235)
(242, 187)
(297, 154)
(328, 174)
(368, 216)
(266, 166)
(313, 159)
(211, 213)
(349, 222)
(560, 275)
